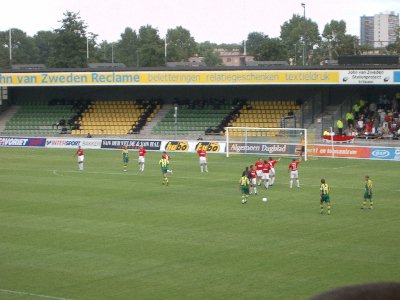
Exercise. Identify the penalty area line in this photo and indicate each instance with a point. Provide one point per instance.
(33, 295)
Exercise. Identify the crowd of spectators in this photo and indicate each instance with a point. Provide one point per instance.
(374, 119)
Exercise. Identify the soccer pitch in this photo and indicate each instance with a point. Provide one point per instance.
(108, 234)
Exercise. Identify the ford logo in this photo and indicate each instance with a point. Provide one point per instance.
(380, 153)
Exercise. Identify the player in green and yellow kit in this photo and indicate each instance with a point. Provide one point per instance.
(125, 157)
(324, 197)
(164, 162)
(368, 193)
(244, 183)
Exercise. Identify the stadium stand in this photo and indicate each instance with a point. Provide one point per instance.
(194, 119)
(114, 117)
(263, 114)
(40, 118)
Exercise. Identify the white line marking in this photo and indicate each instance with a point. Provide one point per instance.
(34, 295)
(56, 173)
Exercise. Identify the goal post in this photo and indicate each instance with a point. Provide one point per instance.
(267, 141)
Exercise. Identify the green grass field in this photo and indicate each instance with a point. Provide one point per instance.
(106, 234)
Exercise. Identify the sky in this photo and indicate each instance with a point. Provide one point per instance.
(218, 21)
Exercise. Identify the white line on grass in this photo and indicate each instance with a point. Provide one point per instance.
(56, 173)
(34, 295)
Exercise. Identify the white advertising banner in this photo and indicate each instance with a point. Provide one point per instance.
(360, 77)
(73, 143)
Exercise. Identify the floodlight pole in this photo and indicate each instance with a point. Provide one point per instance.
(112, 54)
(305, 35)
(87, 49)
(176, 120)
(10, 47)
(165, 50)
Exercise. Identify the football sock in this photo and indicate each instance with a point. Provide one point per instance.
(255, 190)
(201, 168)
(371, 205)
(364, 203)
(329, 209)
(205, 168)
(298, 183)
(322, 208)
(291, 183)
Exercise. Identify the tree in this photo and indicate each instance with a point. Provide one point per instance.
(211, 57)
(4, 49)
(298, 35)
(127, 48)
(71, 41)
(23, 48)
(394, 48)
(150, 52)
(44, 41)
(265, 48)
(335, 41)
(180, 44)
(254, 44)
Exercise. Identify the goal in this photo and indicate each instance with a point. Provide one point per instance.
(266, 141)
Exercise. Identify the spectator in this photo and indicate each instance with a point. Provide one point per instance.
(382, 115)
(339, 125)
(368, 127)
(360, 125)
(350, 118)
(373, 107)
(350, 131)
(362, 103)
(356, 109)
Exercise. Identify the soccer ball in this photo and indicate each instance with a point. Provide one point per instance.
(264, 199)
(244, 201)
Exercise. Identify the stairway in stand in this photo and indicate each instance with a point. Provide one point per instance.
(148, 128)
(7, 115)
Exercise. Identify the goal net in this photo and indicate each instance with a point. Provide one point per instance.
(267, 141)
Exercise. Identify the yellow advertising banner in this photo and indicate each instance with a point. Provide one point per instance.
(169, 78)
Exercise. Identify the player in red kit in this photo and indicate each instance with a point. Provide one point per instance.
(265, 174)
(259, 167)
(253, 180)
(272, 163)
(203, 160)
(142, 154)
(294, 173)
(81, 157)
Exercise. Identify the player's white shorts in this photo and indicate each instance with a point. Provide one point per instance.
(81, 158)
(259, 173)
(294, 174)
(141, 159)
(265, 176)
(253, 181)
(202, 160)
(272, 172)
